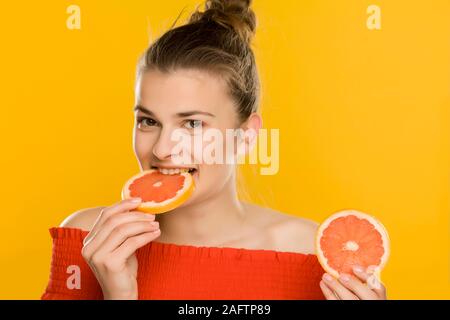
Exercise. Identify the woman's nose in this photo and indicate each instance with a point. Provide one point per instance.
(165, 146)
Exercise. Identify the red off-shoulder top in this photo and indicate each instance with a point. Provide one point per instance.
(185, 272)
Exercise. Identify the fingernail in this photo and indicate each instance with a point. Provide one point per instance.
(155, 223)
(358, 269)
(136, 200)
(345, 277)
(373, 282)
(327, 277)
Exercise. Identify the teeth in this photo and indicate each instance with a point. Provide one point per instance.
(172, 171)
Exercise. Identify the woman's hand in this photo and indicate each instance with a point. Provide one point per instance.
(109, 248)
(363, 285)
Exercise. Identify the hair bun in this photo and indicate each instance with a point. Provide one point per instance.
(229, 13)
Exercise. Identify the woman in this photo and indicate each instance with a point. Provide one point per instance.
(199, 75)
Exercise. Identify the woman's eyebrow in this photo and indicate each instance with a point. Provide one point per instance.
(143, 110)
(194, 112)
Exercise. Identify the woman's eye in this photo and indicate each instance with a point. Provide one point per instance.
(192, 124)
(144, 122)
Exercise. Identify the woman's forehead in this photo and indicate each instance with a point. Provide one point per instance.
(181, 90)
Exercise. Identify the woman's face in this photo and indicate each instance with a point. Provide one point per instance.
(189, 102)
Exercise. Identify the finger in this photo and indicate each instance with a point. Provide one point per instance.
(342, 292)
(133, 243)
(94, 247)
(329, 295)
(112, 222)
(122, 206)
(361, 290)
(123, 232)
(372, 277)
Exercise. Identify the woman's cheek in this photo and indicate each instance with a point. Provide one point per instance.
(143, 146)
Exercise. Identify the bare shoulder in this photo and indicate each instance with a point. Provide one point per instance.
(287, 232)
(297, 234)
(83, 219)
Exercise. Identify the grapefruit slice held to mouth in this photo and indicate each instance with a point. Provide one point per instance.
(348, 238)
(159, 192)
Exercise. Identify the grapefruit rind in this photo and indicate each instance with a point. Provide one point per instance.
(372, 220)
(161, 207)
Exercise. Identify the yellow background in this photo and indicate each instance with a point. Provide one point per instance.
(363, 118)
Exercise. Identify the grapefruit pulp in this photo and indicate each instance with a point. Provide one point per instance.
(159, 192)
(348, 238)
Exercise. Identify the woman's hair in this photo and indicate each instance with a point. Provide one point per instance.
(215, 40)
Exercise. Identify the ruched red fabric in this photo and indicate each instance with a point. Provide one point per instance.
(172, 271)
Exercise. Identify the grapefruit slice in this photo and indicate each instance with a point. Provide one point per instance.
(348, 238)
(159, 192)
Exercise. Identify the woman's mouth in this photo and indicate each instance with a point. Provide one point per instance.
(175, 170)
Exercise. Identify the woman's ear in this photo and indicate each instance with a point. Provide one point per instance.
(254, 122)
(248, 133)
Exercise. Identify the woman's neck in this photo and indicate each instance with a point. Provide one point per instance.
(209, 222)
